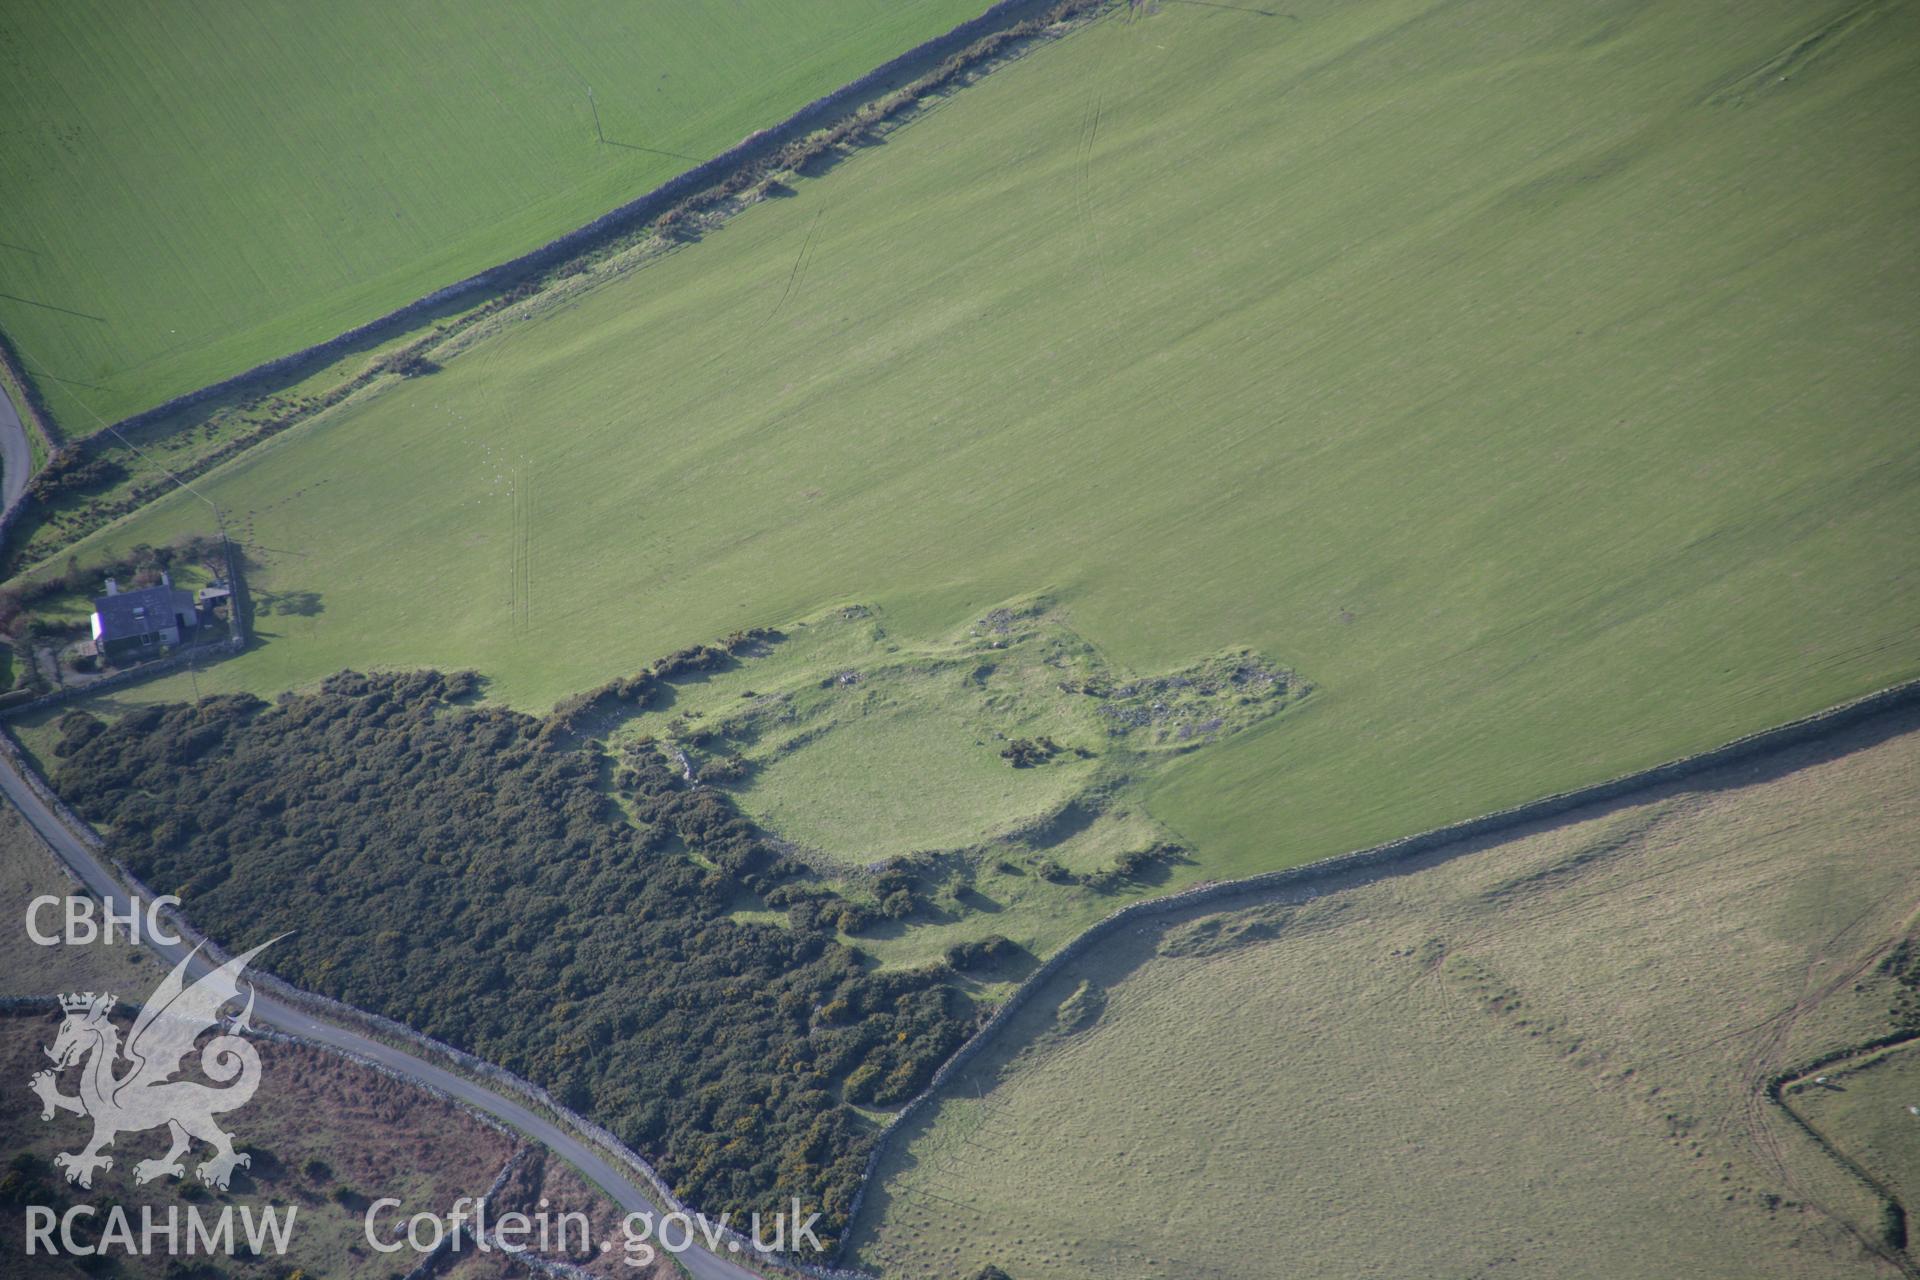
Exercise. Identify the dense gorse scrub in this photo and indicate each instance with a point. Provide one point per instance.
(492, 880)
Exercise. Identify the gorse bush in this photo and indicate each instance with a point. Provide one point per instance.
(1903, 966)
(74, 469)
(1025, 753)
(985, 953)
(465, 871)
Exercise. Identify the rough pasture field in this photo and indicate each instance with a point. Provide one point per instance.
(852, 745)
(324, 1131)
(1504, 367)
(27, 871)
(1865, 1108)
(320, 1125)
(1542, 1055)
(187, 191)
(327, 1135)
(998, 769)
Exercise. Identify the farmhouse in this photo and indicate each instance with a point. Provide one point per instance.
(135, 624)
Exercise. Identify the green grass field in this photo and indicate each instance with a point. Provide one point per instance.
(1866, 1109)
(857, 749)
(1539, 1057)
(861, 753)
(1536, 379)
(185, 192)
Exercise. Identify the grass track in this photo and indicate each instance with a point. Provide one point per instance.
(1505, 368)
(189, 190)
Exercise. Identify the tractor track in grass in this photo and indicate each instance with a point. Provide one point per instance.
(1777, 1091)
(1754, 1116)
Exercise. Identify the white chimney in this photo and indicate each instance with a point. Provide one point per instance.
(113, 588)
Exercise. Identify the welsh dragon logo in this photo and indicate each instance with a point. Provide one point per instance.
(125, 1089)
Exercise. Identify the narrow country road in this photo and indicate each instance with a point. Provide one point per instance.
(100, 879)
(16, 454)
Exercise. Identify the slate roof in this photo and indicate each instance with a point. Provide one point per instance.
(128, 614)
